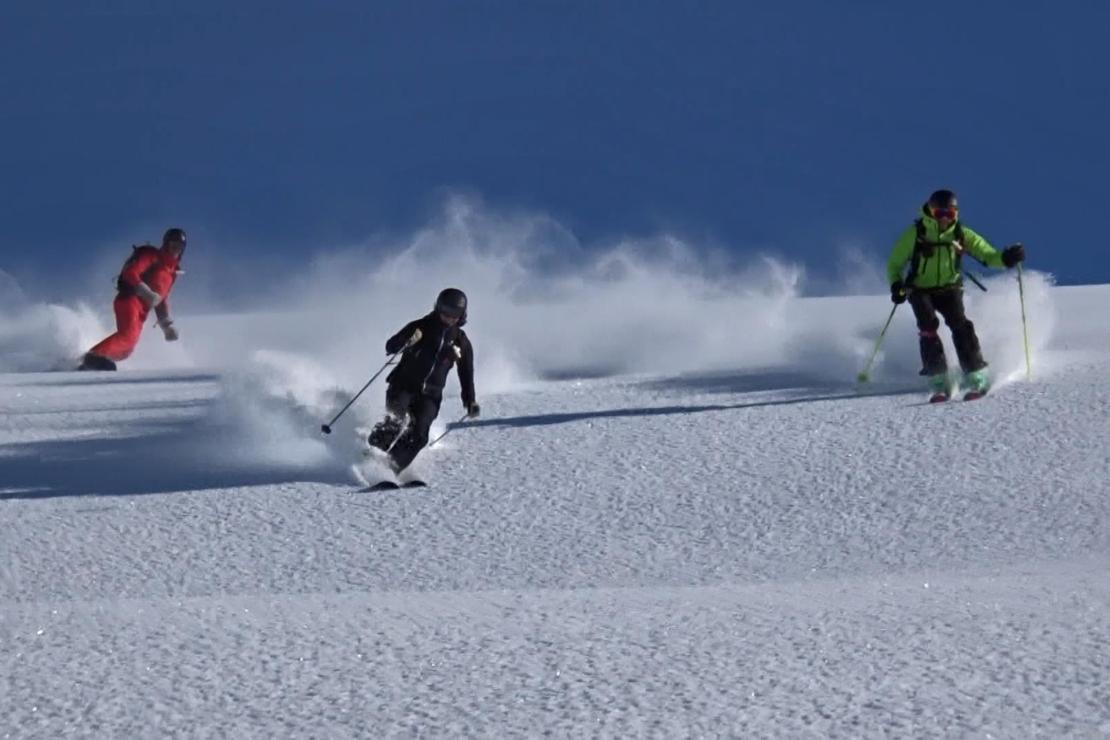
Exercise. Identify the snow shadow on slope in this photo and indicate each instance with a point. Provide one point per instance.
(151, 459)
(786, 380)
(717, 384)
(261, 428)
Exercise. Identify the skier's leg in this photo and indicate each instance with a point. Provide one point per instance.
(130, 315)
(425, 409)
(950, 304)
(933, 361)
(385, 431)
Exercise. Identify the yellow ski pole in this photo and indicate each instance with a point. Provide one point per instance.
(865, 374)
(1024, 325)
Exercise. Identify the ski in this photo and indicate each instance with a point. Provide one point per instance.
(940, 399)
(388, 485)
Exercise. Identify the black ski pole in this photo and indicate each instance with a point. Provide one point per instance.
(976, 281)
(326, 428)
(449, 428)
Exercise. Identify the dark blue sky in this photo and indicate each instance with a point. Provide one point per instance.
(274, 129)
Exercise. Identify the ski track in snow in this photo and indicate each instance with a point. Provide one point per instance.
(746, 553)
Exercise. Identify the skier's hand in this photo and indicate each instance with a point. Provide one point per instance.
(147, 294)
(473, 410)
(897, 292)
(1013, 254)
(416, 336)
(168, 330)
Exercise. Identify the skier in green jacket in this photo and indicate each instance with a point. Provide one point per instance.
(932, 248)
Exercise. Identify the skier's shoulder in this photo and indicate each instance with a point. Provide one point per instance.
(142, 252)
(965, 230)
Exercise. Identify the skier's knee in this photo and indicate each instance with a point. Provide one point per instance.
(957, 320)
(962, 325)
(396, 407)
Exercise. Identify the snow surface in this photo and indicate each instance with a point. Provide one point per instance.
(689, 522)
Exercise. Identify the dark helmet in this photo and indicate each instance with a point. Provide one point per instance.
(452, 302)
(943, 204)
(943, 199)
(173, 235)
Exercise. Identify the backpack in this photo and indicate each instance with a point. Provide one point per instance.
(122, 287)
(923, 249)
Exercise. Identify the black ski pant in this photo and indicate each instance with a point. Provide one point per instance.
(949, 303)
(422, 410)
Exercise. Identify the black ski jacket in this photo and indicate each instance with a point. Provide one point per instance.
(424, 366)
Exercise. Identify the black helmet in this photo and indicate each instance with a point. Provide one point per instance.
(943, 199)
(452, 302)
(943, 204)
(173, 235)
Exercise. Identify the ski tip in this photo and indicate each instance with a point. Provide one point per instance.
(415, 484)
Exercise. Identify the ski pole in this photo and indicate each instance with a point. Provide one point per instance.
(865, 374)
(1024, 325)
(326, 428)
(976, 281)
(449, 428)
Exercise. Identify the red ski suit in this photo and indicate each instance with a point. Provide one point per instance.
(158, 269)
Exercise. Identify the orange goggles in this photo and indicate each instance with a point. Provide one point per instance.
(949, 213)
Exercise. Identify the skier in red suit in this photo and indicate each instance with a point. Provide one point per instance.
(144, 284)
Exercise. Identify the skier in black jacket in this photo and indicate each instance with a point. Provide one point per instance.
(429, 346)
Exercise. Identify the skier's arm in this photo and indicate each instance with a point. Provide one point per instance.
(165, 322)
(396, 343)
(981, 249)
(466, 372)
(902, 253)
(142, 261)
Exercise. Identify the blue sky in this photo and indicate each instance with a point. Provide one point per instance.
(271, 130)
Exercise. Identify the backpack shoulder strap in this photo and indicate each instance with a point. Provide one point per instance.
(918, 246)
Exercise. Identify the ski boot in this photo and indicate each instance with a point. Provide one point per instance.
(385, 433)
(938, 384)
(978, 383)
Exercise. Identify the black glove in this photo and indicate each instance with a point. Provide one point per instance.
(897, 292)
(473, 410)
(1013, 254)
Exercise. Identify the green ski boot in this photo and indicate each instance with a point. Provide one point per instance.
(977, 382)
(938, 384)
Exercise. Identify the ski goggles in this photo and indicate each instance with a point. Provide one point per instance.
(949, 213)
(451, 311)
